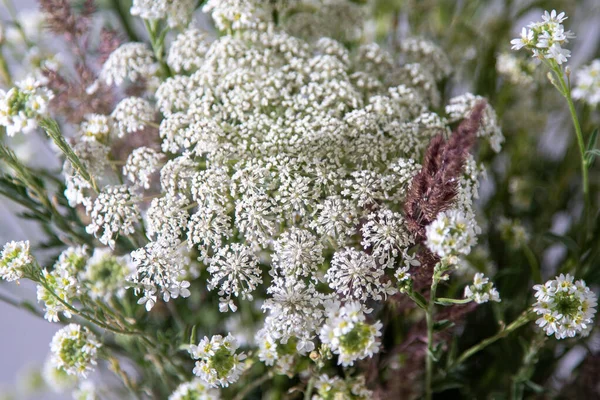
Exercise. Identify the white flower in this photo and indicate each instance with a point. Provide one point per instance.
(176, 12)
(167, 217)
(297, 253)
(587, 80)
(482, 290)
(385, 233)
(356, 275)
(96, 127)
(114, 212)
(14, 257)
(219, 364)
(545, 39)
(131, 61)
(24, 105)
(234, 271)
(566, 308)
(451, 234)
(348, 334)
(105, 274)
(141, 164)
(74, 349)
(187, 51)
(158, 269)
(234, 14)
(132, 114)
(194, 390)
(336, 388)
(86, 390)
(56, 378)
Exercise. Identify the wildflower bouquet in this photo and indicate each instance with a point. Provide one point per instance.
(275, 207)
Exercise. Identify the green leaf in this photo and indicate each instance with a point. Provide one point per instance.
(443, 324)
(592, 141)
(591, 154)
(567, 241)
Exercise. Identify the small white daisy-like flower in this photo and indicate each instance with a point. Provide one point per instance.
(114, 212)
(14, 257)
(132, 114)
(356, 275)
(24, 105)
(587, 84)
(141, 164)
(56, 378)
(451, 234)
(130, 61)
(348, 334)
(482, 290)
(234, 271)
(566, 308)
(74, 349)
(195, 389)
(218, 363)
(546, 38)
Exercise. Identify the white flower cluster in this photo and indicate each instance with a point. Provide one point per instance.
(451, 234)
(74, 350)
(566, 308)
(545, 39)
(482, 290)
(515, 70)
(140, 165)
(348, 334)
(177, 12)
(218, 364)
(338, 388)
(24, 105)
(14, 257)
(194, 390)
(513, 232)
(131, 61)
(114, 212)
(587, 83)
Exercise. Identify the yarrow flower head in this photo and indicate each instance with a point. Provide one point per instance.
(482, 290)
(140, 165)
(24, 105)
(219, 364)
(348, 334)
(194, 390)
(546, 38)
(587, 84)
(14, 257)
(132, 114)
(566, 308)
(131, 61)
(451, 234)
(74, 349)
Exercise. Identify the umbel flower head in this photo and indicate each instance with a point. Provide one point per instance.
(545, 39)
(566, 308)
(74, 349)
(14, 257)
(218, 364)
(348, 334)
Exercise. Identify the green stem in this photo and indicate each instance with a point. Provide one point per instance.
(157, 42)
(309, 388)
(125, 21)
(566, 92)
(524, 318)
(533, 263)
(437, 273)
(4, 71)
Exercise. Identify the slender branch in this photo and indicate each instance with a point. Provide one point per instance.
(523, 319)
(125, 21)
(249, 388)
